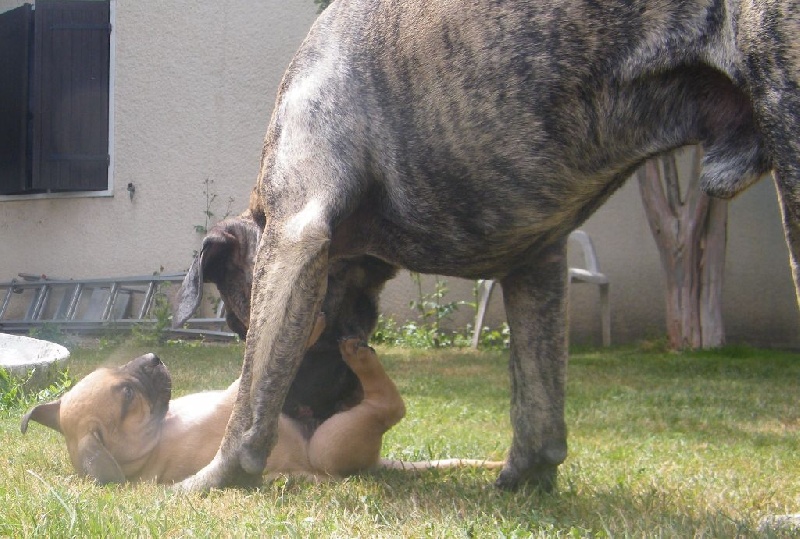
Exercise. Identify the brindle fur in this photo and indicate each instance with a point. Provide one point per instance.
(469, 139)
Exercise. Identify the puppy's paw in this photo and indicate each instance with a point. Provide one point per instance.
(357, 353)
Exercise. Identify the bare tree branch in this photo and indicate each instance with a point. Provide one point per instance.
(672, 183)
(655, 202)
(712, 271)
(697, 167)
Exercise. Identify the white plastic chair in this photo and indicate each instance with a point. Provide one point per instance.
(590, 273)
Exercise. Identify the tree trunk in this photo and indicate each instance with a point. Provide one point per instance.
(691, 235)
(713, 264)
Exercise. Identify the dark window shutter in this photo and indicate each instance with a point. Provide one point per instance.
(70, 84)
(15, 44)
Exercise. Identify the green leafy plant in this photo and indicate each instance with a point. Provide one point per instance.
(432, 311)
(208, 212)
(157, 330)
(14, 395)
(51, 332)
(495, 338)
(210, 198)
(11, 392)
(414, 335)
(56, 389)
(489, 338)
(110, 339)
(162, 312)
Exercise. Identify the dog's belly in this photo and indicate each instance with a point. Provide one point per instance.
(463, 252)
(482, 162)
(470, 231)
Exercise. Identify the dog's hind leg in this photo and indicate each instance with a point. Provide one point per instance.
(788, 186)
(771, 61)
(535, 301)
(787, 171)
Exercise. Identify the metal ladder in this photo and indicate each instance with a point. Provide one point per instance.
(94, 305)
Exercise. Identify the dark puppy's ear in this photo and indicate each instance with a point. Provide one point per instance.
(228, 243)
(47, 414)
(190, 293)
(96, 462)
(206, 267)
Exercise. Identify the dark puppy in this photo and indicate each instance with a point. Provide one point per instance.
(469, 139)
(324, 383)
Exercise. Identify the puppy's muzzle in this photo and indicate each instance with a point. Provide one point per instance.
(154, 379)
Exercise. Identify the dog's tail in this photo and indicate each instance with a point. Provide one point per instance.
(422, 465)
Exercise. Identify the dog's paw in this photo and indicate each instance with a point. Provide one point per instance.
(218, 474)
(253, 452)
(542, 478)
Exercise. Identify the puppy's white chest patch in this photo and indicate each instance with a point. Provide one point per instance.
(197, 407)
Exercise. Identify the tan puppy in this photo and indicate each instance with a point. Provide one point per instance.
(120, 425)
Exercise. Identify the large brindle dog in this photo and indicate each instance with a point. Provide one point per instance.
(469, 139)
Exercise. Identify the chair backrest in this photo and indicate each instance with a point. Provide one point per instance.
(582, 239)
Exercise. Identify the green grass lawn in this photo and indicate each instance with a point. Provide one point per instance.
(661, 445)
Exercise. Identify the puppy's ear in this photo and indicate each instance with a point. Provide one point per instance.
(46, 414)
(96, 462)
(191, 292)
(229, 245)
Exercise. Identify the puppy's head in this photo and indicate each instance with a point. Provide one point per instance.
(226, 259)
(111, 419)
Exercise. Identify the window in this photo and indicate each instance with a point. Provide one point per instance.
(54, 97)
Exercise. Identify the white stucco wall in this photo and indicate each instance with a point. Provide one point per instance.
(194, 85)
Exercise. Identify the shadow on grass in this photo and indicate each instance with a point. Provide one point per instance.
(466, 500)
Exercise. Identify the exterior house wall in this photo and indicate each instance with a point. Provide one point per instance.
(193, 87)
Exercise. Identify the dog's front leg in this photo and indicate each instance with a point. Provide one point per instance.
(288, 289)
(535, 301)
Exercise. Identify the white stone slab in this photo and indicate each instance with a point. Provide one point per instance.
(21, 355)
